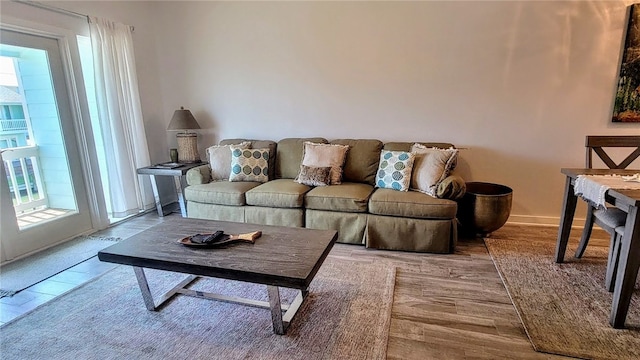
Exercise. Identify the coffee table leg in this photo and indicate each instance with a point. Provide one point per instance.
(144, 288)
(151, 304)
(281, 321)
(276, 309)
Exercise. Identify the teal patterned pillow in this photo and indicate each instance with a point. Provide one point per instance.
(394, 171)
(249, 165)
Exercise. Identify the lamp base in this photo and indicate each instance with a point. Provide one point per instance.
(188, 148)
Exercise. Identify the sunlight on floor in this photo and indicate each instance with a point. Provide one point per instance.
(39, 216)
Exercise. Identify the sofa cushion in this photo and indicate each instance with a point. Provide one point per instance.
(432, 165)
(394, 171)
(220, 192)
(362, 160)
(348, 197)
(406, 146)
(320, 155)
(259, 144)
(411, 204)
(219, 157)
(314, 176)
(281, 193)
(249, 164)
(289, 156)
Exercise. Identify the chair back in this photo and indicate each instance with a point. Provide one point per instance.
(598, 143)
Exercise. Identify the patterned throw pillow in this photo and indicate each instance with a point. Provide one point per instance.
(249, 165)
(220, 159)
(394, 171)
(432, 165)
(322, 155)
(314, 176)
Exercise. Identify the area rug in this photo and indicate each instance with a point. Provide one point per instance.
(21, 274)
(345, 316)
(564, 307)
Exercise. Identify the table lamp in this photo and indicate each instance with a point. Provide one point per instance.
(187, 141)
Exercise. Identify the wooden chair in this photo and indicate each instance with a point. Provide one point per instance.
(598, 143)
(614, 256)
(612, 219)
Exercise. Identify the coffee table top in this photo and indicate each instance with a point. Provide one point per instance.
(282, 256)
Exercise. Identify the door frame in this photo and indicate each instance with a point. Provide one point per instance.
(82, 150)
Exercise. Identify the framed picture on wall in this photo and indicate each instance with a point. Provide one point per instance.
(626, 107)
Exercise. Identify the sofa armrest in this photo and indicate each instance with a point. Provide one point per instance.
(452, 187)
(199, 175)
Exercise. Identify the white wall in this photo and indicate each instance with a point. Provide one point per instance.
(518, 83)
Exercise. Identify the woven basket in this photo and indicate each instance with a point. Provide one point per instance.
(188, 148)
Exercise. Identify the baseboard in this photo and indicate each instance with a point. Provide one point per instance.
(542, 220)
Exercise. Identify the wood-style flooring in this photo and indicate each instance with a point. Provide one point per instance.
(451, 306)
(445, 306)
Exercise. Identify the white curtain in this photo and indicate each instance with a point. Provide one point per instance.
(120, 116)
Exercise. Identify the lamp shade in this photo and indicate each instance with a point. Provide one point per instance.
(183, 120)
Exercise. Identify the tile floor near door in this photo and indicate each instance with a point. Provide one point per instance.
(445, 306)
(46, 290)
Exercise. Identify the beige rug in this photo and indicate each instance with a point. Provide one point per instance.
(346, 316)
(563, 307)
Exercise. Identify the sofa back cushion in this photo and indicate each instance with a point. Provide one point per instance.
(289, 156)
(406, 146)
(259, 144)
(362, 160)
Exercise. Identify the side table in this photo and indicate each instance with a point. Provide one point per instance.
(178, 177)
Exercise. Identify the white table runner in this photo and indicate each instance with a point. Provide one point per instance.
(593, 188)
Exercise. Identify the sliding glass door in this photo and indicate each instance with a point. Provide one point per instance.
(38, 141)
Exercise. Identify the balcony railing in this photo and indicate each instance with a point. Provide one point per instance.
(23, 175)
(13, 125)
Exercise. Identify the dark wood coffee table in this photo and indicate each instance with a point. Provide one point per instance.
(281, 257)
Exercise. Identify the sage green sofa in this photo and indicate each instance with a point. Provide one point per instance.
(361, 213)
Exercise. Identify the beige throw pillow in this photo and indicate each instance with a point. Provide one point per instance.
(326, 155)
(220, 159)
(431, 166)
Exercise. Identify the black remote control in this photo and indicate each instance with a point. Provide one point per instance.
(213, 237)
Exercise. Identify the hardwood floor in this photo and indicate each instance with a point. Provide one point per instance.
(445, 306)
(450, 306)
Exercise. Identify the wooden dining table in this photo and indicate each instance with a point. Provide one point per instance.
(627, 200)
